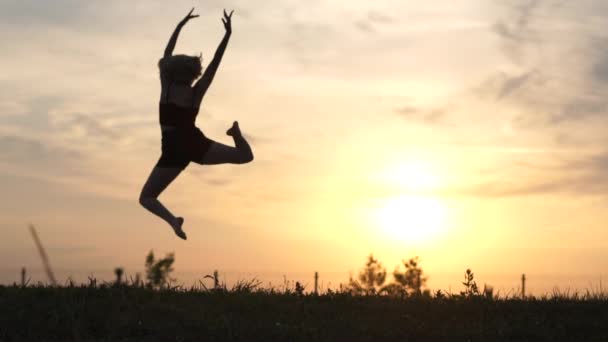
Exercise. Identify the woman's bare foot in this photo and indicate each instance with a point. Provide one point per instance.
(234, 130)
(177, 228)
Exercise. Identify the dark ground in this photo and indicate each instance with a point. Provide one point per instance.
(138, 314)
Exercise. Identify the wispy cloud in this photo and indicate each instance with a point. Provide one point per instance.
(509, 85)
(92, 127)
(552, 90)
(573, 176)
(36, 154)
(25, 13)
(372, 20)
(516, 28)
(428, 116)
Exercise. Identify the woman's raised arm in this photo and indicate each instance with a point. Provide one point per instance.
(171, 45)
(204, 82)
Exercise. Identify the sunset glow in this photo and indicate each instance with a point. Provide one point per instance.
(436, 124)
(413, 219)
(412, 176)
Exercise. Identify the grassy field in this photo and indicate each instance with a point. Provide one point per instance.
(106, 313)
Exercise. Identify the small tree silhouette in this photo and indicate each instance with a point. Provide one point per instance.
(470, 285)
(371, 278)
(158, 271)
(119, 271)
(411, 279)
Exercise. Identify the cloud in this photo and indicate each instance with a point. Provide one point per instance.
(516, 29)
(582, 176)
(91, 126)
(57, 12)
(588, 185)
(578, 109)
(48, 121)
(428, 116)
(509, 189)
(365, 26)
(49, 144)
(372, 20)
(38, 159)
(379, 17)
(563, 74)
(517, 26)
(599, 69)
(511, 84)
(19, 149)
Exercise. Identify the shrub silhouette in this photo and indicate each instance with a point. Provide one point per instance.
(158, 271)
(370, 279)
(411, 280)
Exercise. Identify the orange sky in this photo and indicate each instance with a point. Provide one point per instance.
(471, 134)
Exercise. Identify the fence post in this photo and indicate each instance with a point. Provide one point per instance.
(119, 271)
(216, 280)
(22, 276)
(316, 283)
(523, 286)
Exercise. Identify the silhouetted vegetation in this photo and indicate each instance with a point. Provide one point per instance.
(119, 271)
(103, 312)
(367, 309)
(158, 271)
(412, 280)
(371, 279)
(472, 290)
(409, 282)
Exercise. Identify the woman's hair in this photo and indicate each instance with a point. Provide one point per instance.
(181, 67)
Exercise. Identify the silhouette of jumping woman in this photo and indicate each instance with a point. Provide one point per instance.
(182, 141)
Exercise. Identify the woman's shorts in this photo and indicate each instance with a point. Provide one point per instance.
(181, 146)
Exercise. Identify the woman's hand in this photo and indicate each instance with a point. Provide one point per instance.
(189, 16)
(173, 39)
(227, 21)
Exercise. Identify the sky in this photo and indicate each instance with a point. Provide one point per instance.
(470, 133)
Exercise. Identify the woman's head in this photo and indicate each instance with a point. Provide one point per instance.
(181, 68)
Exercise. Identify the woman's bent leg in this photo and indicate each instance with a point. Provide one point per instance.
(219, 153)
(157, 182)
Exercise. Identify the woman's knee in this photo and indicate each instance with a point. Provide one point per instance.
(245, 157)
(145, 199)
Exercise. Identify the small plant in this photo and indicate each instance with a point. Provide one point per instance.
(244, 286)
(299, 290)
(471, 288)
(158, 271)
(470, 285)
(440, 295)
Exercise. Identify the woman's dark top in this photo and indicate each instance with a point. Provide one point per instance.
(171, 114)
(184, 143)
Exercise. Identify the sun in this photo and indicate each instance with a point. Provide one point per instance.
(412, 212)
(411, 218)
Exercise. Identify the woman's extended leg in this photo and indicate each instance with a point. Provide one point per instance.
(223, 154)
(157, 182)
